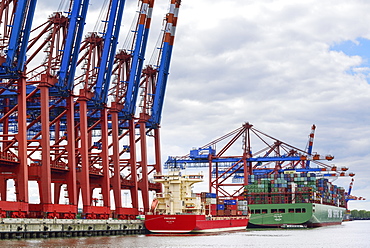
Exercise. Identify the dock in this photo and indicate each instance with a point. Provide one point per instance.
(48, 228)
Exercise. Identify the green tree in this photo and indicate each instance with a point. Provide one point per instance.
(361, 214)
(354, 213)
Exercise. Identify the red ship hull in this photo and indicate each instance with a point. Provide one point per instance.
(193, 223)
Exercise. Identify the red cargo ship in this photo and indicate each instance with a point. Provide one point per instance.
(178, 210)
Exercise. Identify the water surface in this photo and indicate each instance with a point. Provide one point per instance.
(348, 235)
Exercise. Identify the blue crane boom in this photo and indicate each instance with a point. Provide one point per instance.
(109, 50)
(203, 160)
(164, 65)
(18, 41)
(72, 46)
(137, 62)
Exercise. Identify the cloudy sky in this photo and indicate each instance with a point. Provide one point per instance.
(281, 65)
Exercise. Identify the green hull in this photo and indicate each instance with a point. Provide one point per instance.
(310, 214)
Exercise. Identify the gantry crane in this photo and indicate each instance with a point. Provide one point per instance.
(93, 111)
(152, 97)
(58, 124)
(127, 71)
(45, 113)
(15, 21)
(274, 156)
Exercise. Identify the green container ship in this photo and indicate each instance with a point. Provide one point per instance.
(305, 214)
(294, 199)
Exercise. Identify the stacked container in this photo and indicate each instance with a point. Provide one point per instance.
(210, 202)
(242, 207)
(292, 188)
(223, 207)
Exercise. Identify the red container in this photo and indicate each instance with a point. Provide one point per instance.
(231, 207)
(221, 212)
(213, 206)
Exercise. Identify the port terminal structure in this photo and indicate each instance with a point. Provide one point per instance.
(77, 113)
(228, 174)
(20, 228)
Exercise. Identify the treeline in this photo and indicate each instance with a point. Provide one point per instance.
(360, 214)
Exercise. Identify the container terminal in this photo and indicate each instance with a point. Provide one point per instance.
(80, 116)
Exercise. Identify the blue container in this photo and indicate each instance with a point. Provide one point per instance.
(230, 202)
(210, 195)
(220, 207)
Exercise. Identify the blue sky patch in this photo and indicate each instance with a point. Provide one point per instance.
(360, 47)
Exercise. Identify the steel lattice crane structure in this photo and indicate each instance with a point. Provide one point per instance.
(273, 156)
(63, 122)
(16, 20)
(153, 87)
(127, 71)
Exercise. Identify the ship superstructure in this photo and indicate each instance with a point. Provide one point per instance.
(177, 196)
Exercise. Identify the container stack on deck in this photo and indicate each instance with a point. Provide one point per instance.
(223, 207)
(292, 188)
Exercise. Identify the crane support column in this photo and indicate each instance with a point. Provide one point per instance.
(157, 145)
(116, 179)
(84, 152)
(45, 179)
(144, 185)
(22, 168)
(71, 178)
(3, 189)
(105, 181)
(22, 173)
(135, 189)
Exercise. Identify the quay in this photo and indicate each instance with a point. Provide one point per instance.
(11, 228)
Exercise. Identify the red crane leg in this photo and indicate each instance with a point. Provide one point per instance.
(71, 178)
(144, 184)
(91, 196)
(78, 191)
(105, 158)
(3, 189)
(45, 177)
(157, 146)
(84, 153)
(246, 171)
(57, 188)
(116, 179)
(22, 170)
(135, 190)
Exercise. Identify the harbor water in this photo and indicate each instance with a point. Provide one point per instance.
(349, 234)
